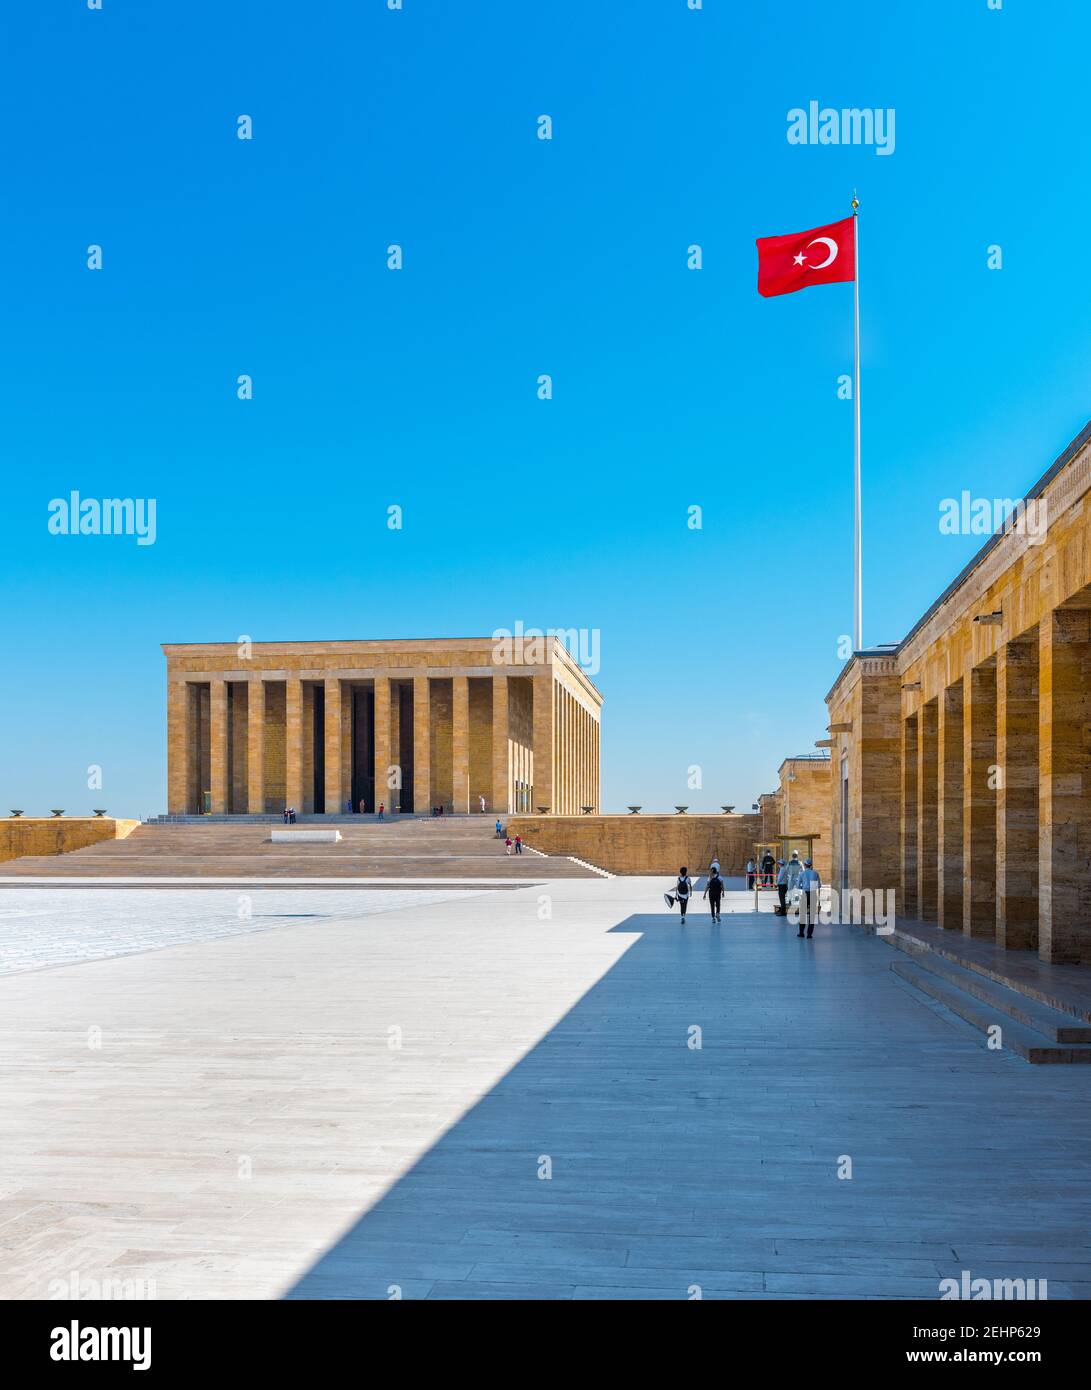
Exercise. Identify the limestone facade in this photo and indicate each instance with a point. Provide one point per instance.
(413, 724)
(961, 757)
(804, 805)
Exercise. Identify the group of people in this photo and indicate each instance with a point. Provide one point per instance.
(289, 815)
(762, 872)
(683, 891)
(514, 846)
(789, 876)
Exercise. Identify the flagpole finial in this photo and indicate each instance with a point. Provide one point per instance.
(855, 202)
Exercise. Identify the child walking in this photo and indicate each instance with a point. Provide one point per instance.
(682, 890)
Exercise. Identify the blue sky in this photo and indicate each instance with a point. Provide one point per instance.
(672, 387)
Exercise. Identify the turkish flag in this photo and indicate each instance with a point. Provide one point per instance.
(822, 256)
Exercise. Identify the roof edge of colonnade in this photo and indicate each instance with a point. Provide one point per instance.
(894, 650)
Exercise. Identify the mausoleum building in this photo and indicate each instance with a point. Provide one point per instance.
(413, 724)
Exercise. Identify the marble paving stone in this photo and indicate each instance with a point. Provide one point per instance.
(356, 1095)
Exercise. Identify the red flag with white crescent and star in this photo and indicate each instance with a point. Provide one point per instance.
(822, 256)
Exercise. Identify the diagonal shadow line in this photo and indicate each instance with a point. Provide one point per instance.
(592, 1098)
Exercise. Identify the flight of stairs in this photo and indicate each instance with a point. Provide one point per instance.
(208, 847)
(1027, 1018)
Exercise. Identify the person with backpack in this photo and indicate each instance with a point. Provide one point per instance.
(714, 891)
(682, 889)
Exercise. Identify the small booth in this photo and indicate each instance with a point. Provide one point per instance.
(780, 848)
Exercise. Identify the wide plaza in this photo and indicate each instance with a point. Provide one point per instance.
(517, 1088)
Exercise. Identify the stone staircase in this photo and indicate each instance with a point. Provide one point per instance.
(1042, 1013)
(240, 847)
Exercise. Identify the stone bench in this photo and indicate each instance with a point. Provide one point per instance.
(291, 836)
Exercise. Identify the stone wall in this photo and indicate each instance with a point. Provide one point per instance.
(645, 844)
(806, 806)
(22, 835)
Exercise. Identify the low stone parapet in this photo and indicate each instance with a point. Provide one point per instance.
(645, 844)
(26, 835)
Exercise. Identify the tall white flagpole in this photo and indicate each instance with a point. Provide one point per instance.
(857, 583)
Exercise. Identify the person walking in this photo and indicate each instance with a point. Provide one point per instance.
(518, 844)
(508, 845)
(810, 887)
(499, 829)
(781, 908)
(382, 809)
(482, 800)
(750, 873)
(682, 889)
(714, 891)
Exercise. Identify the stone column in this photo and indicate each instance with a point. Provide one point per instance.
(179, 748)
(979, 803)
(570, 753)
(574, 755)
(460, 743)
(949, 810)
(346, 745)
(1064, 788)
(581, 752)
(597, 787)
(394, 794)
(382, 757)
(501, 774)
(218, 746)
(1017, 795)
(927, 811)
(910, 905)
(562, 753)
(543, 741)
(422, 744)
(331, 738)
(293, 743)
(581, 727)
(306, 727)
(255, 746)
